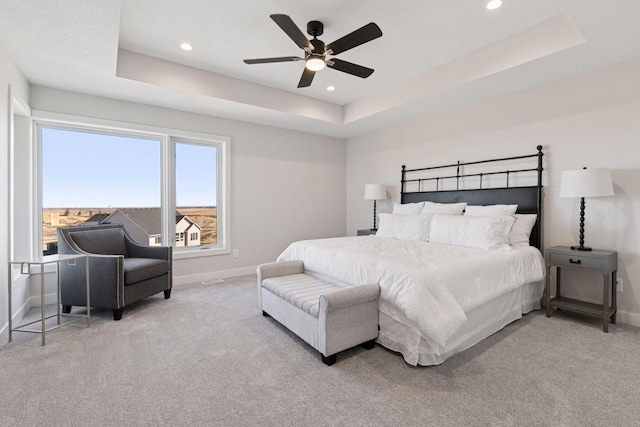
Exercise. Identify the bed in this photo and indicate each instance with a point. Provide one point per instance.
(457, 260)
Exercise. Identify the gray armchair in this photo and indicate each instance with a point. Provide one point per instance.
(121, 270)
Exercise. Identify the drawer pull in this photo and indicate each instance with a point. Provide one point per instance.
(575, 261)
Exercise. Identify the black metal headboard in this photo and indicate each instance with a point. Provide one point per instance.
(527, 197)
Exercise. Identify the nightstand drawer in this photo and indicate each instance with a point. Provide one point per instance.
(576, 261)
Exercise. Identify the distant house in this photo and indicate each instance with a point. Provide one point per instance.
(144, 225)
(96, 219)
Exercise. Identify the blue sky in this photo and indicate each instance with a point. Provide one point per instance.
(82, 169)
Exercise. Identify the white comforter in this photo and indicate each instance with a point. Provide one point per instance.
(432, 284)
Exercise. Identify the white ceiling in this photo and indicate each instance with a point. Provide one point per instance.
(434, 55)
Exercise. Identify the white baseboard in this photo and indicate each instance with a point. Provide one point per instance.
(627, 318)
(223, 274)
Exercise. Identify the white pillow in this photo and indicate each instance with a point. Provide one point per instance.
(490, 210)
(408, 208)
(404, 226)
(444, 208)
(481, 232)
(521, 229)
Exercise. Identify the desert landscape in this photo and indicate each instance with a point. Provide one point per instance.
(52, 218)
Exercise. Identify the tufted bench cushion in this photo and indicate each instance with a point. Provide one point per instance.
(329, 317)
(301, 290)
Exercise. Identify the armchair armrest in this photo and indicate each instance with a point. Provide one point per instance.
(136, 250)
(106, 280)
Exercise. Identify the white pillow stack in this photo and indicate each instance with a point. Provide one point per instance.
(444, 208)
(522, 226)
(492, 227)
(480, 232)
(407, 208)
(404, 226)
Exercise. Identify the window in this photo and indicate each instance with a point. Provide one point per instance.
(157, 184)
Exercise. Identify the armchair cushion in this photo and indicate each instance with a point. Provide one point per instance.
(139, 269)
(106, 242)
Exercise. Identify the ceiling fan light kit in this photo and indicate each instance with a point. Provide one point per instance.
(316, 51)
(315, 62)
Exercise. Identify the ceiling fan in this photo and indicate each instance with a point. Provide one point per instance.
(316, 52)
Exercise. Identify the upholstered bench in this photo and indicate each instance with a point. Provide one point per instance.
(328, 317)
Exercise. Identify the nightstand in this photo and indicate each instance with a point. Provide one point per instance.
(366, 232)
(600, 261)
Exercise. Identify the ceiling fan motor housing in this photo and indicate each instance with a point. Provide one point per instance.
(318, 47)
(315, 28)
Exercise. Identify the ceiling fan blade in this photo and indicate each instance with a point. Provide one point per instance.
(278, 59)
(360, 36)
(292, 30)
(349, 68)
(307, 78)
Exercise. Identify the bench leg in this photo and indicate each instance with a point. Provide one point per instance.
(328, 360)
(167, 294)
(66, 309)
(117, 313)
(369, 344)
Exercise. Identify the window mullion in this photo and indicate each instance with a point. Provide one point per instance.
(168, 191)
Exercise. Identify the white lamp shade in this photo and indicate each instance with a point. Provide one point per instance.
(586, 183)
(375, 192)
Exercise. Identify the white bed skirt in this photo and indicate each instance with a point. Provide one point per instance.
(399, 334)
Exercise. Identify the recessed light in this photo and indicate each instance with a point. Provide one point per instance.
(331, 88)
(494, 4)
(186, 46)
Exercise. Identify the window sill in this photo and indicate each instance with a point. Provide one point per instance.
(202, 252)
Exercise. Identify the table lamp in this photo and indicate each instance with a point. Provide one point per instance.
(585, 183)
(375, 192)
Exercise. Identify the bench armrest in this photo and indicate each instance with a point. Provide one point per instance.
(350, 296)
(277, 269)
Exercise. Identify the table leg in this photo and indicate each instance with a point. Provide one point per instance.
(614, 296)
(86, 272)
(547, 291)
(58, 294)
(9, 295)
(605, 303)
(558, 282)
(42, 302)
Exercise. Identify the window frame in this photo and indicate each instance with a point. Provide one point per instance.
(168, 138)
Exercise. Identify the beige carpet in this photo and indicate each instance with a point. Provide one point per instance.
(207, 357)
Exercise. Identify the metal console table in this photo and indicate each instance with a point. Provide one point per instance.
(25, 268)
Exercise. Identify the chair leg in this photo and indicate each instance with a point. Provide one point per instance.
(117, 313)
(328, 360)
(167, 294)
(66, 309)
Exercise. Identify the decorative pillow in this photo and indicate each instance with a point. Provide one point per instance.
(408, 208)
(404, 226)
(521, 229)
(482, 232)
(490, 210)
(444, 208)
